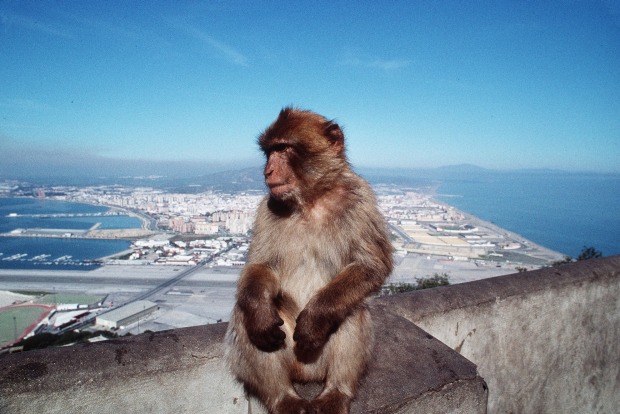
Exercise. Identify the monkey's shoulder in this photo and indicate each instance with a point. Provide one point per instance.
(341, 221)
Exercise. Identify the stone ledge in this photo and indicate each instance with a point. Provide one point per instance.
(416, 306)
(544, 341)
(183, 371)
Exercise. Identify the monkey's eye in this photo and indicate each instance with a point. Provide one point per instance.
(277, 148)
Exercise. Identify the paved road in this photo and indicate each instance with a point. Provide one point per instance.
(173, 281)
(168, 283)
(15, 282)
(402, 233)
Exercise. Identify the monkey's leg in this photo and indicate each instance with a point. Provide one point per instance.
(350, 349)
(272, 384)
(266, 375)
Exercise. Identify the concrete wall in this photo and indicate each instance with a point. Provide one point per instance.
(546, 341)
(183, 371)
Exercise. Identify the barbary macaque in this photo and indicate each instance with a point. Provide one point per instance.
(320, 249)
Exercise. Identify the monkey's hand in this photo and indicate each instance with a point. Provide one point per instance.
(312, 331)
(263, 328)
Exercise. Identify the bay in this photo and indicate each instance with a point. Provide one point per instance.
(31, 206)
(56, 253)
(562, 211)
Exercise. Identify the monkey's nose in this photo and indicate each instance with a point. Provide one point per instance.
(268, 170)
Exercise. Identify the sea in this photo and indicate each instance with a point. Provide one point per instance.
(56, 253)
(558, 210)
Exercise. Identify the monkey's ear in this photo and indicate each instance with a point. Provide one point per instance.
(284, 113)
(334, 134)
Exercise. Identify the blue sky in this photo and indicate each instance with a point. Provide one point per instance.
(415, 84)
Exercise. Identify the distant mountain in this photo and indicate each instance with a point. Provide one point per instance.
(250, 178)
(462, 168)
(194, 176)
(422, 176)
(48, 167)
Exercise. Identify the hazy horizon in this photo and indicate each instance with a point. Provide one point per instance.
(46, 166)
(501, 85)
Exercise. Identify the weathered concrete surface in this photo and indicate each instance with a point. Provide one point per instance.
(412, 372)
(545, 341)
(164, 372)
(183, 371)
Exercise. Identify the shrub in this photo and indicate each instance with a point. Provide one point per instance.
(421, 283)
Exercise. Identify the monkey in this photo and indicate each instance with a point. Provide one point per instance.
(319, 250)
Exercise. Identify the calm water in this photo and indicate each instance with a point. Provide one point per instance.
(43, 253)
(562, 211)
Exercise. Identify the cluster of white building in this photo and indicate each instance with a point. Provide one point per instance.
(224, 251)
(417, 207)
(434, 228)
(230, 222)
(207, 213)
(431, 225)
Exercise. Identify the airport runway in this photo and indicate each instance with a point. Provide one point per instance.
(114, 279)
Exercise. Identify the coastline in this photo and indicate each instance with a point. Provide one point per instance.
(540, 251)
(208, 295)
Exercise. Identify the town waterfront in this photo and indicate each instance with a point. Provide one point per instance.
(561, 211)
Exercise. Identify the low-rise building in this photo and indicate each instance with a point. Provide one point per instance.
(126, 315)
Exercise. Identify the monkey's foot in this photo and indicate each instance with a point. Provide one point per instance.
(332, 402)
(294, 405)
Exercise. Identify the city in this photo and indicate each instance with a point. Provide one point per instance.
(184, 260)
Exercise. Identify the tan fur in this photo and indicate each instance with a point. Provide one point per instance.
(320, 248)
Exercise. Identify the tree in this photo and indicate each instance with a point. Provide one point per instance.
(589, 253)
(566, 260)
(438, 279)
(586, 253)
(430, 282)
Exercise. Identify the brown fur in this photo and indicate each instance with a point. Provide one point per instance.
(320, 248)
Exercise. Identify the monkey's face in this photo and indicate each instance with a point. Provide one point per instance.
(302, 150)
(279, 174)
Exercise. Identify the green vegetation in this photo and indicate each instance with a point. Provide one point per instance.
(566, 260)
(399, 287)
(438, 279)
(68, 298)
(510, 256)
(586, 253)
(14, 321)
(434, 281)
(44, 340)
(589, 253)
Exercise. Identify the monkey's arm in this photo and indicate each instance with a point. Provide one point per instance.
(333, 303)
(256, 294)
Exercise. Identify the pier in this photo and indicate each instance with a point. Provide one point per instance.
(70, 215)
(92, 233)
(148, 227)
(39, 232)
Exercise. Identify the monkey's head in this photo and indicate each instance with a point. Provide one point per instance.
(305, 156)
